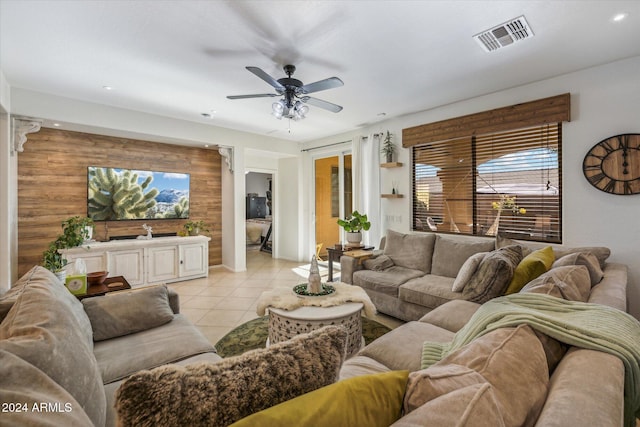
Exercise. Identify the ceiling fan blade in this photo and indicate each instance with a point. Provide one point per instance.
(259, 95)
(329, 106)
(266, 77)
(325, 84)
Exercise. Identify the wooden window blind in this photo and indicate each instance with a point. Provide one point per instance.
(506, 181)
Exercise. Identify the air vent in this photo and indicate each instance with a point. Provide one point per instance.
(504, 34)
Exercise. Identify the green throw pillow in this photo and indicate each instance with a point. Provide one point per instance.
(533, 265)
(368, 400)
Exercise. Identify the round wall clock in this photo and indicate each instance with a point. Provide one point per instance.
(613, 164)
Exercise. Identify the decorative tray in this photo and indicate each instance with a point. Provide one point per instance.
(301, 290)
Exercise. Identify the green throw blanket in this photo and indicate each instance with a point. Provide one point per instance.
(584, 325)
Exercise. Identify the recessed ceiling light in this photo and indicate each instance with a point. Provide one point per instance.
(56, 124)
(107, 87)
(206, 145)
(619, 17)
(206, 115)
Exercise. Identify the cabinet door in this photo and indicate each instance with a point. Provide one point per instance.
(127, 263)
(193, 260)
(93, 261)
(162, 264)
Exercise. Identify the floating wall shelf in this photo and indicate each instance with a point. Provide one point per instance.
(392, 196)
(391, 165)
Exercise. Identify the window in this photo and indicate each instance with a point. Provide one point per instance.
(508, 181)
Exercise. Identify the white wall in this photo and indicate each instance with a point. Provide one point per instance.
(258, 183)
(605, 101)
(8, 259)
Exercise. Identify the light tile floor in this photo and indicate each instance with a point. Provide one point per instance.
(219, 303)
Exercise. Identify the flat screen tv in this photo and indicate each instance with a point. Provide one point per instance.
(121, 194)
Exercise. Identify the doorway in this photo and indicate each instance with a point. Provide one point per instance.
(333, 198)
(259, 211)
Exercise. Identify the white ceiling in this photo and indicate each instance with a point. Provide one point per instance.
(181, 58)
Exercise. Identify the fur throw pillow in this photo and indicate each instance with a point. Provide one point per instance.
(218, 394)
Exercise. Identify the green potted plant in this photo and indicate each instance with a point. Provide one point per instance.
(388, 148)
(75, 231)
(354, 225)
(194, 228)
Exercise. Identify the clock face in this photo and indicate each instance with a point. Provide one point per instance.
(613, 165)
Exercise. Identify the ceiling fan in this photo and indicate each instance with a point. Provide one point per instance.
(294, 93)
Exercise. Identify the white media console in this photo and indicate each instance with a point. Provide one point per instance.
(142, 262)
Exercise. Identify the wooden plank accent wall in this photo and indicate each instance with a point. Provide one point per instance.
(554, 109)
(52, 186)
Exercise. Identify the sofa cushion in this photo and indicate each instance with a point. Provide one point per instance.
(533, 265)
(381, 262)
(361, 365)
(571, 283)
(587, 259)
(413, 251)
(428, 291)
(385, 282)
(206, 394)
(169, 343)
(493, 274)
(428, 384)
(467, 271)
(600, 252)
(450, 252)
(513, 361)
(37, 399)
(123, 313)
(42, 328)
(452, 315)
(46, 280)
(473, 406)
(406, 356)
(339, 404)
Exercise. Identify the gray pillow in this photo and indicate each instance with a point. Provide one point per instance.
(124, 313)
(451, 252)
(379, 263)
(218, 394)
(587, 259)
(568, 282)
(410, 250)
(493, 274)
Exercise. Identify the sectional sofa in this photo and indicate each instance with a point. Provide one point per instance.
(412, 274)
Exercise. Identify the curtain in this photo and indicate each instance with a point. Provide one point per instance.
(367, 194)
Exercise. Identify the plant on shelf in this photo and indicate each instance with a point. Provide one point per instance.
(354, 226)
(75, 231)
(194, 228)
(388, 148)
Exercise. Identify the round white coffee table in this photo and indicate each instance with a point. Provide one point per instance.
(285, 324)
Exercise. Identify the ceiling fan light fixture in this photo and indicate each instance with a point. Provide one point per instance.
(278, 109)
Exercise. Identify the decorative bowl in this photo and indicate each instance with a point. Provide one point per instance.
(96, 277)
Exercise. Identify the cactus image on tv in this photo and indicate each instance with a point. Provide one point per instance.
(122, 194)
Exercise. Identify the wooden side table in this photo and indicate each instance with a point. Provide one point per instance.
(97, 290)
(334, 254)
(285, 324)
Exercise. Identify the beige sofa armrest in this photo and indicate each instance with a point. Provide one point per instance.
(348, 265)
(576, 395)
(174, 301)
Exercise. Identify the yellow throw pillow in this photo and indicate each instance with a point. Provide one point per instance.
(533, 265)
(368, 400)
